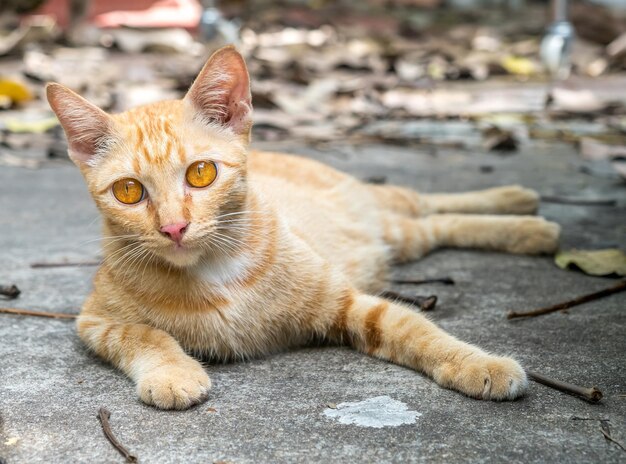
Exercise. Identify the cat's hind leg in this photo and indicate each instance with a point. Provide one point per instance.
(411, 238)
(511, 199)
(395, 333)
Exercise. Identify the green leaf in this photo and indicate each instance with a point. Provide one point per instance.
(593, 262)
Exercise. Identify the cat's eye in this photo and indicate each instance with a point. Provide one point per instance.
(201, 173)
(128, 191)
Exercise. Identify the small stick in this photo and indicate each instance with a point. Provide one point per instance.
(608, 436)
(104, 415)
(579, 201)
(620, 287)
(65, 264)
(437, 280)
(10, 291)
(593, 395)
(28, 312)
(425, 303)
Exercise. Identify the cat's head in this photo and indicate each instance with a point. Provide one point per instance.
(163, 174)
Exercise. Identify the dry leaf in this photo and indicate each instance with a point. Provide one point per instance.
(577, 100)
(593, 262)
(15, 91)
(594, 150)
(31, 126)
(11, 441)
(519, 66)
(498, 139)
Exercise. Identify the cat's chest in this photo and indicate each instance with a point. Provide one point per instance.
(233, 331)
(223, 271)
(220, 317)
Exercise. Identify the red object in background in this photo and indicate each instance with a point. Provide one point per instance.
(135, 13)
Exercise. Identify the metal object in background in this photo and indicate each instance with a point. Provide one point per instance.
(556, 46)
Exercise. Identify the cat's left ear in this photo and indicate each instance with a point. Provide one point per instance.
(88, 129)
(221, 92)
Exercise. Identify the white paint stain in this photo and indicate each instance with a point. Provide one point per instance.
(377, 412)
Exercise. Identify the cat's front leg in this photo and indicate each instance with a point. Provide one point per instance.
(165, 375)
(393, 332)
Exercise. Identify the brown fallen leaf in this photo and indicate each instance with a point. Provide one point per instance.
(498, 139)
(596, 23)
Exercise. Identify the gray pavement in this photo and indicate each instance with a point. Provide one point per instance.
(272, 410)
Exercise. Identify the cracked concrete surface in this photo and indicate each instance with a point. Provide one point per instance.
(272, 410)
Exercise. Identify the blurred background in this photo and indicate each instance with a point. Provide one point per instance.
(436, 95)
(453, 74)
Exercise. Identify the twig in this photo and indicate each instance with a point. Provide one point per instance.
(65, 264)
(608, 436)
(10, 291)
(375, 180)
(28, 312)
(425, 303)
(579, 201)
(437, 280)
(593, 395)
(620, 287)
(104, 415)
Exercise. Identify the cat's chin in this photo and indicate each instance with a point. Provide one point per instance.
(181, 257)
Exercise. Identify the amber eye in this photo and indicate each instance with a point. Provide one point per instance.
(201, 173)
(129, 191)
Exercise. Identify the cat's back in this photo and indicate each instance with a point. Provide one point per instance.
(308, 192)
(335, 213)
(304, 172)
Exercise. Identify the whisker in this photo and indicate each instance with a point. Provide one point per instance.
(239, 213)
(230, 239)
(122, 249)
(223, 243)
(137, 259)
(126, 256)
(113, 238)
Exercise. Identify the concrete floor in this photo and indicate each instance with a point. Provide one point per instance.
(272, 410)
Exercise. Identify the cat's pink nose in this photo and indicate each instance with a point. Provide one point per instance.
(175, 231)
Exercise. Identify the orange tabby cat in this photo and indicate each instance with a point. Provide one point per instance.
(227, 253)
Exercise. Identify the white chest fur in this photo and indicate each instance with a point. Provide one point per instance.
(222, 269)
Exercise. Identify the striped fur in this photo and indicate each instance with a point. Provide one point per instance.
(279, 251)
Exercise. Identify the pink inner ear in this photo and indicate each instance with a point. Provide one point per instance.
(221, 92)
(86, 126)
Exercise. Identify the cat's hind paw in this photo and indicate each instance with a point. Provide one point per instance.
(534, 235)
(485, 377)
(513, 199)
(174, 387)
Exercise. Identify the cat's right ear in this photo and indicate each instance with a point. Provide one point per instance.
(87, 127)
(221, 92)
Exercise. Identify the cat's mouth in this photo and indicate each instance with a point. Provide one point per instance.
(181, 254)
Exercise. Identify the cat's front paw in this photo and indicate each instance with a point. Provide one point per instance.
(174, 386)
(485, 377)
(514, 199)
(533, 235)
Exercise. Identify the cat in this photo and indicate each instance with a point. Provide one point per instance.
(215, 250)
